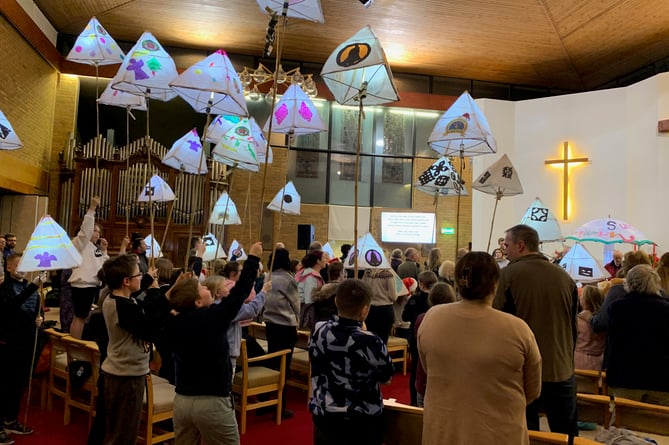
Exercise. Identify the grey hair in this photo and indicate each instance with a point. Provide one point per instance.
(643, 279)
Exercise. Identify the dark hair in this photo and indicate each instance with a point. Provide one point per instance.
(345, 248)
(441, 293)
(293, 265)
(117, 269)
(281, 260)
(184, 294)
(312, 258)
(9, 235)
(427, 278)
(231, 267)
(334, 270)
(633, 258)
(352, 295)
(476, 275)
(165, 269)
(526, 234)
(136, 242)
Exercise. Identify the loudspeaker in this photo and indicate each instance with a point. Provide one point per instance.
(305, 235)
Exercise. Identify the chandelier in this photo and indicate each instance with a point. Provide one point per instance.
(252, 77)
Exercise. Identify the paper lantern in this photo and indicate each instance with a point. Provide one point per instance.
(368, 253)
(237, 145)
(118, 98)
(147, 70)
(153, 249)
(157, 190)
(500, 179)
(95, 46)
(296, 114)
(290, 198)
(441, 179)
(542, 219)
(582, 266)
(49, 248)
(186, 154)
(213, 249)
(237, 251)
(301, 9)
(327, 248)
(225, 211)
(8, 138)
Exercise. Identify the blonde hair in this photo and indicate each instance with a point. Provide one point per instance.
(213, 283)
(643, 279)
(592, 298)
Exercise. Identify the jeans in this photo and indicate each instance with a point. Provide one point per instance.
(558, 401)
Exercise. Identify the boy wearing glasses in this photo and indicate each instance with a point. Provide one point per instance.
(131, 329)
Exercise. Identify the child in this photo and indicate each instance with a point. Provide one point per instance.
(348, 365)
(589, 349)
(219, 289)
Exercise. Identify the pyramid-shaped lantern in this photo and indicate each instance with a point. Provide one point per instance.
(237, 145)
(8, 138)
(157, 190)
(262, 147)
(500, 179)
(95, 46)
(153, 249)
(369, 254)
(543, 220)
(301, 9)
(287, 200)
(225, 211)
(147, 70)
(49, 248)
(441, 179)
(186, 154)
(212, 86)
(213, 249)
(359, 66)
(462, 130)
(295, 113)
(582, 266)
(119, 98)
(237, 251)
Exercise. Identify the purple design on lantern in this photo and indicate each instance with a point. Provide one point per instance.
(92, 53)
(78, 49)
(305, 112)
(193, 145)
(281, 113)
(136, 66)
(45, 259)
(103, 41)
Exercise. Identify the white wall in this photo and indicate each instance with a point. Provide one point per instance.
(616, 129)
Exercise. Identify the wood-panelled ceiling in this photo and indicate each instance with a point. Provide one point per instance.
(565, 44)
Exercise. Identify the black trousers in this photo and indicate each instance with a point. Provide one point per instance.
(345, 430)
(558, 401)
(15, 361)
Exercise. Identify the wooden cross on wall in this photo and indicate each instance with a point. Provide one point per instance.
(565, 161)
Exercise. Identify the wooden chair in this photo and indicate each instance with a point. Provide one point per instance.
(300, 368)
(251, 381)
(84, 397)
(57, 377)
(548, 438)
(398, 348)
(589, 381)
(158, 407)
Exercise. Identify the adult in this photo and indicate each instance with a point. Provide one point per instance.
(3, 243)
(138, 247)
(477, 360)
(345, 249)
(663, 271)
(308, 280)
(396, 259)
(19, 312)
(637, 340)
(616, 263)
(203, 406)
(600, 320)
(433, 260)
(84, 281)
(381, 315)
(282, 311)
(410, 267)
(546, 297)
(10, 245)
(447, 272)
(500, 257)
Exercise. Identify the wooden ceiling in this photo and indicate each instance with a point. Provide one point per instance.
(563, 44)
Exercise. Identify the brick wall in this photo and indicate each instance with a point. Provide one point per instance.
(27, 98)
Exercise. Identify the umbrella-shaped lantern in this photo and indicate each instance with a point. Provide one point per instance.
(609, 231)
(237, 147)
(357, 72)
(367, 254)
(462, 131)
(225, 211)
(582, 266)
(287, 200)
(543, 220)
(186, 154)
(500, 179)
(302, 9)
(8, 138)
(327, 248)
(213, 249)
(157, 190)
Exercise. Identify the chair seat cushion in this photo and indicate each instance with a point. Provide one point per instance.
(258, 376)
(300, 358)
(61, 361)
(163, 397)
(397, 342)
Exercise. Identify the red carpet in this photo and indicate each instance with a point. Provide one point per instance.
(49, 428)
